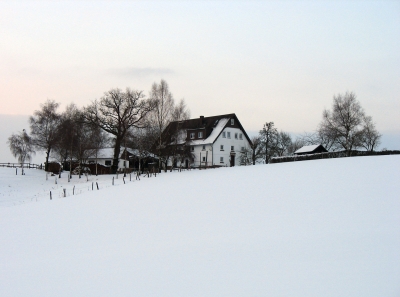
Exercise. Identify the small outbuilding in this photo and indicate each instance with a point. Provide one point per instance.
(311, 149)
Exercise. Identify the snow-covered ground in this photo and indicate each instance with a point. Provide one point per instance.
(311, 228)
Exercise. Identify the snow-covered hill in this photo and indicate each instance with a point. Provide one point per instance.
(313, 228)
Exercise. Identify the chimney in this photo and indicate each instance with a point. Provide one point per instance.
(202, 120)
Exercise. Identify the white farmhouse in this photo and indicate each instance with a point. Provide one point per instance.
(212, 141)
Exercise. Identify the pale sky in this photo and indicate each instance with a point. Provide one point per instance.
(278, 61)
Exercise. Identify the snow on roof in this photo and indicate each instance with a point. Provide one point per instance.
(106, 153)
(214, 133)
(307, 148)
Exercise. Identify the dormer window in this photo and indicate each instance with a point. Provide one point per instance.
(192, 135)
(232, 122)
(200, 135)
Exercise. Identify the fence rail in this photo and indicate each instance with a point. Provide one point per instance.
(21, 165)
(331, 155)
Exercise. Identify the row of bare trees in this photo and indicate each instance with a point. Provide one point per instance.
(343, 128)
(119, 118)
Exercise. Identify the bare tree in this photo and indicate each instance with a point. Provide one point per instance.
(344, 124)
(116, 112)
(21, 146)
(268, 137)
(283, 143)
(162, 113)
(370, 138)
(44, 126)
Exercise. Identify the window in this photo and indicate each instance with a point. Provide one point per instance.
(236, 136)
(204, 147)
(232, 148)
(229, 134)
(107, 162)
(240, 136)
(232, 122)
(242, 149)
(204, 159)
(192, 148)
(223, 135)
(221, 147)
(191, 135)
(200, 135)
(221, 159)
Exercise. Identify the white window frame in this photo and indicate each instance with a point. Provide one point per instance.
(200, 134)
(232, 122)
(223, 134)
(221, 159)
(240, 136)
(221, 147)
(236, 136)
(229, 134)
(204, 147)
(204, 159)
(232, 148)
(192, 135)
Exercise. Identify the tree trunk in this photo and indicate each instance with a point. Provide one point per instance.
(117, 149)
(46, 167)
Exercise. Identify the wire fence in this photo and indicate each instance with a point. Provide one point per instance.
(22, 165)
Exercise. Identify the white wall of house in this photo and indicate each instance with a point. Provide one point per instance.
(108, 162)
(235, 138)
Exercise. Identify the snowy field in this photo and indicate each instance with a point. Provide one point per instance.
(312, 229)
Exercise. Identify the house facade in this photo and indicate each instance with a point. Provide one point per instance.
(212, 141)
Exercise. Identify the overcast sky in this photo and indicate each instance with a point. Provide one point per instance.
(278, 61)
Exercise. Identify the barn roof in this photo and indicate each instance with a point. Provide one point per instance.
(307, 149)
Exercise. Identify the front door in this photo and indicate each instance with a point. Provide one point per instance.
(232, 160)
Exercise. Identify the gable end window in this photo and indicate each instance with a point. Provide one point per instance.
(232, 122)
(240, 136)
(223, 135)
